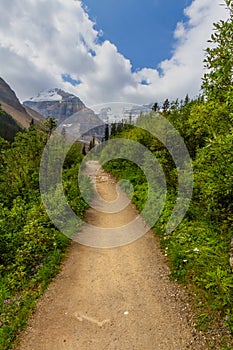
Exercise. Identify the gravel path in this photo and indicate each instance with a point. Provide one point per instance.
(113, 299)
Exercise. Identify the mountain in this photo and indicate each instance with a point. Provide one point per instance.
(12, 106)
(117, 111)
(71, 113)
(55, 103)
(84, 124)
(8, 96)
(61, 105)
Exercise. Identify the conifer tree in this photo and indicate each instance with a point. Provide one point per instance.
(106, 132)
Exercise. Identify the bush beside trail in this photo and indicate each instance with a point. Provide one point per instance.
(31, 248)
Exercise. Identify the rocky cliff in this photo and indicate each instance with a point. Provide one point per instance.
(56, 103)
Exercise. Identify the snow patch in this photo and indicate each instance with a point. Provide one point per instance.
(47, 95)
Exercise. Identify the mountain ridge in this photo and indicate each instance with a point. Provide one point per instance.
(10, 104)
(55, 103)
(8, 96)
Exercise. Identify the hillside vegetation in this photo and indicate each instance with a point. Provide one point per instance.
(31, 248)
(8, 126)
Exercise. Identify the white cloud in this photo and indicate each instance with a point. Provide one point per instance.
(41, 40)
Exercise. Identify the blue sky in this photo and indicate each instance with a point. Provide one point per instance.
(107, 50)
(141, 30)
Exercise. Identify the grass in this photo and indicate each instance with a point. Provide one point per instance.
(17, 304)
(198, 253)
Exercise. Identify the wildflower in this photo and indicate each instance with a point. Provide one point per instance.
(196, 250)
(185, 261)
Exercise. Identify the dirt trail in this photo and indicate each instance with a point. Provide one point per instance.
(113, 299)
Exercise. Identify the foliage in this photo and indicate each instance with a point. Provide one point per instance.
(217, 82)
(8, 126)
(198, 250)
(214, 181)
(31, 248)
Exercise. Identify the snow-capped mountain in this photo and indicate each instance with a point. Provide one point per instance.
(47, 95)
(61, 105)
(70, 112)
(55, 103)
(118, 111)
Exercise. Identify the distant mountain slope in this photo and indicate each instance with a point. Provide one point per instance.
(86, 124)
(22, 118)
(37, 117)
(55, 103)
(12, 106)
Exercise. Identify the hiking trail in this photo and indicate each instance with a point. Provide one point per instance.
(112, 299)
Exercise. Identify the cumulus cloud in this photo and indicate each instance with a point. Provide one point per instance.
(183, 72)
(43, 41)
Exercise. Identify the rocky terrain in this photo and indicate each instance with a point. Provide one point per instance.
(56, 103)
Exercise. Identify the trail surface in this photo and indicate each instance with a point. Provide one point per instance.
(112, 299)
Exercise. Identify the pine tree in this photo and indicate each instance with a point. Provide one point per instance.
(186, 100)
(113, 129)
(106, 133)
(155, 107)
(50, 125)
(84, 152)
(90, 145)
(166, 106)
